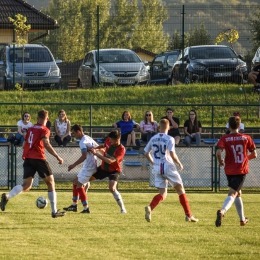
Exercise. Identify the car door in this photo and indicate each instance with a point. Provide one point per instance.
(2, 67)
(180, 66)
(157, 69)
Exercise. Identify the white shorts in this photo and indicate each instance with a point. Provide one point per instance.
(85, 174)
(164, 173)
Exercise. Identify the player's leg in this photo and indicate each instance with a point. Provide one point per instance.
(75, 197)
(116, 194)
(240, 209)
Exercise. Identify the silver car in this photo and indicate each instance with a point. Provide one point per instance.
(115, 67)
(35, 67)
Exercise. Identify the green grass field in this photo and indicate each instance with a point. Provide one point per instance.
(30, 233)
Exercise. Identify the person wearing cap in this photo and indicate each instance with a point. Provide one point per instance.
(241, 128)
(254, 78)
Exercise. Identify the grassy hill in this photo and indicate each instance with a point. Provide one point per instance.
(226, 98)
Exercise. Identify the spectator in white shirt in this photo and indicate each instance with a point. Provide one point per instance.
(241, 129)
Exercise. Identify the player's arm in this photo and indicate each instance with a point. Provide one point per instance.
(149, 157)
(50, 149)
(101, 157)
(79, 161)
(218, 154)
(252, 155)
(176, 159)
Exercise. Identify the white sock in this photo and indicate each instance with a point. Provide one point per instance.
(15, 191)
(87, 186)
(240, 208)
(228, 203)
(52, 195)
(119, 199)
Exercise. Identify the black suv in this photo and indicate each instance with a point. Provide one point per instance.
(209, 63)
(161, 67)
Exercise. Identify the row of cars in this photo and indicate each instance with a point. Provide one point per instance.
(206, 63)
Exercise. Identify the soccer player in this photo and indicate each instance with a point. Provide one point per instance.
(236, 146)
(163, 160)
(111, 164)
(89, 167)
(36, 140)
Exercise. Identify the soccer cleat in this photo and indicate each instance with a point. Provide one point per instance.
(148, 213)
(123, 211)
(73, 208)
(58, 214)
(85, 211)
(219, 218)
(243, 223)
(4, 201)
(191, 219)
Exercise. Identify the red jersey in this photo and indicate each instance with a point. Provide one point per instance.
(118, 152)
(236, 147)
(34, 147)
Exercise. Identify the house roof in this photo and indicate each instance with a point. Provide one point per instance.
(139, 49)
(37, 20)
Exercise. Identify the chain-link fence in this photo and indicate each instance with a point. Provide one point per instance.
(200, 171)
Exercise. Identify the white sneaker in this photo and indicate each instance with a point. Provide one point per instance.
(123, 211)
(191, 219)
(148, 213)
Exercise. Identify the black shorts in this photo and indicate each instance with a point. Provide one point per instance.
(124, 136)
(31, 166)
(102, 174)
(236, 182)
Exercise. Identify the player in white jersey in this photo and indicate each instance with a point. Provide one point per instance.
(160, 151)
(89, 167)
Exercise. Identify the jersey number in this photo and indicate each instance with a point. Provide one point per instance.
(238, 153)
(159, 151)
(30, 139)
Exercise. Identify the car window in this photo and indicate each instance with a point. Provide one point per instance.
(211, 53)
(172, 58)
(118, 56)
(30, 55)
(90, 58)
(159, 60)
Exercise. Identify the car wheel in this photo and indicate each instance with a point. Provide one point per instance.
(79, 84)
(93, 82)
(173, 81)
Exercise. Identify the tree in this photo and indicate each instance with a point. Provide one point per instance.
(255, 30)
(198, 36)
(149, 33)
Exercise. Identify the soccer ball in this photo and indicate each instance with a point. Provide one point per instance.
(41, 203)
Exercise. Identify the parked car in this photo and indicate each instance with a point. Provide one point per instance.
(161, 67)
(115, 67)
(36, 68)
(209, 63)
(256, 59)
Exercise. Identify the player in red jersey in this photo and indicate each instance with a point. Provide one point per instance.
(111, 164)
(236, 146)
(36, 141)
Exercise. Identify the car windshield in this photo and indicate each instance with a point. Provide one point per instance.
(30, 55)
(118, 56)
(172, 58)
(211, 53)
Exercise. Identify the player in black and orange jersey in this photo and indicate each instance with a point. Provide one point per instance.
(36, 141)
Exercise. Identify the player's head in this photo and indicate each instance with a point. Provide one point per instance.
(77, 131)
(234, 122)
(126, 116)
(115, 135)
(164, 125)
(43, 116)
(169, 111)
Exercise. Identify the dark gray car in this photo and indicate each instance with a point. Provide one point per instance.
(116, 67)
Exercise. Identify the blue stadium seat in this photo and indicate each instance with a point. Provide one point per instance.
(133, 164)
(131, 153)
(3, 140)
(210, 141)
(256, 141)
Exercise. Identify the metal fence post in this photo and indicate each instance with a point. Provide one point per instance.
(12, 155)
(215, 170)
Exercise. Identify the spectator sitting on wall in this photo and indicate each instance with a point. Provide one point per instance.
(241, 128)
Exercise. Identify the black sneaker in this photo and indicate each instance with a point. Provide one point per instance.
(3, 201)
(73, 208)
(58, 214)
(219, 218)
(85, 211)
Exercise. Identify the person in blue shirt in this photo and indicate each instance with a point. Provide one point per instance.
(126, 126)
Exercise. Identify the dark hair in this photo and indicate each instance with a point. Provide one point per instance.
(196, 124)
(42, 114)
(76, 128)
(126, 111)
(25, 114)
(115, 134)
(236, 114)
(234, 122)
(169, 109)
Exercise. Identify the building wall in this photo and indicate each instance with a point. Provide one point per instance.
(6, 36)
(144, 56)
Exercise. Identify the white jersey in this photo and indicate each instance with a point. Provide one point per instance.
(85, 143)
(160, 146)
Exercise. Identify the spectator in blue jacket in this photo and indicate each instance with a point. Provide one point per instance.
(126, 126)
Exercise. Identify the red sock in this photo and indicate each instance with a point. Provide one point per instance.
(75, 194)
(185, 204)
(83, 195)
(156, 200)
